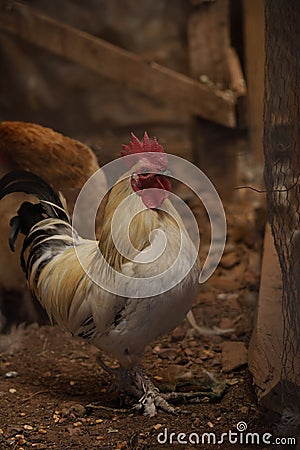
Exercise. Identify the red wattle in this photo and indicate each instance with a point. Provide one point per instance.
(153, 198)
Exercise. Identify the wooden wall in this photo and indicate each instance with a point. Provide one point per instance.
(254, 36)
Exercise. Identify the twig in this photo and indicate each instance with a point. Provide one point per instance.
(33, 395)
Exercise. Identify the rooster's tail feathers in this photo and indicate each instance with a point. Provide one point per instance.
(51, 204)
(30, 183)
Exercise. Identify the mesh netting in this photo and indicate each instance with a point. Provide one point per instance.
(282, 172)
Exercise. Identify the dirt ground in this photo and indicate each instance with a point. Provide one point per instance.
(54, 395)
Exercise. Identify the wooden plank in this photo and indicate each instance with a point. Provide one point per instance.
(209, 44)
(254, 35)
(237, 84)
(265, 349)
(266, 345)
(115, 63)
(215, 153)
(209, 40)
(236, 77)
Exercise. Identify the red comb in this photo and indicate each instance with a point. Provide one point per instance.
(136, 146)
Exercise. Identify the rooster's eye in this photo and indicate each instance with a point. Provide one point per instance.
(135, 177)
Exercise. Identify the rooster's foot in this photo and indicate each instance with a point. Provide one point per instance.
(136, 384)
(151, 399)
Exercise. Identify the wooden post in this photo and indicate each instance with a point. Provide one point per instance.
(254, 35)
(211, 61)
(209, 42)
(266, 345)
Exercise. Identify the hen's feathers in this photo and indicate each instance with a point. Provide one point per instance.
(64, 162)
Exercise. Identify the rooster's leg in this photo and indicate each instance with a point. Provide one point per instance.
(136, 383)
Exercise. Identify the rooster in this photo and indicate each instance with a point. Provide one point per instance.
(66, 272)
